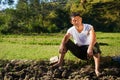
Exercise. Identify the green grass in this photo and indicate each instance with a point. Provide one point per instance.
(19, 51)
(112, 41)
(44, 46)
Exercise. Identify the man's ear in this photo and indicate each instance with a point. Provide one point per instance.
(71, 22)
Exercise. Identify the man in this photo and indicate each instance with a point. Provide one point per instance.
(84, 45)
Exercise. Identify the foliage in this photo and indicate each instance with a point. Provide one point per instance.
(104, 16)
(33, 16)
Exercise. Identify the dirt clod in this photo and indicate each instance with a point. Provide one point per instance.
(71, 70)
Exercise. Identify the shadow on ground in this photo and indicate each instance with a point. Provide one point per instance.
(72, 70)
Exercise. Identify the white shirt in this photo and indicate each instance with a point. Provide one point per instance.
(83, 37)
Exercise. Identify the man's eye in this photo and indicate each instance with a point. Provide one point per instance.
(74, 21)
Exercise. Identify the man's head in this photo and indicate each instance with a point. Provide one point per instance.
(76, 19)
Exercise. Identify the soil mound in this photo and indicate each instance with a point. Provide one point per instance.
(71, 70)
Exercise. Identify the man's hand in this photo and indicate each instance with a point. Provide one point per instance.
(90, 52)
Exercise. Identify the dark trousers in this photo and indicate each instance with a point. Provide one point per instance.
(81, 51)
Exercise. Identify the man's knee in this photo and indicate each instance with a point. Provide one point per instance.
(97, 55)
(63, 52)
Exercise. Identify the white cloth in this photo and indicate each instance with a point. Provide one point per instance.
(83, 37)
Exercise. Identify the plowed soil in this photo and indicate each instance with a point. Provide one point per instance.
(71, 70)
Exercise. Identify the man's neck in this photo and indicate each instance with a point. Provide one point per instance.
(79, 28)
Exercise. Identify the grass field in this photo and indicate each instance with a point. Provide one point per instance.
(44, 46)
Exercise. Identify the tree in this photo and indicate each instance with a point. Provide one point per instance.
(83, 2)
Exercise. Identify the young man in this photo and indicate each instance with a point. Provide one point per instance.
(84, 45)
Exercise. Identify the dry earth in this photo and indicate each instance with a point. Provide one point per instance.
(71, 70)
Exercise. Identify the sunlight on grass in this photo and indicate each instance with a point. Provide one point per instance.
(45, 46)
(16, 51)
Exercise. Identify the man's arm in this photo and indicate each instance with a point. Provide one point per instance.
(92, 42)
(64, 41)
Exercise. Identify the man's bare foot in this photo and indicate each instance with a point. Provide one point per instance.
(97, 73)
(56, 65)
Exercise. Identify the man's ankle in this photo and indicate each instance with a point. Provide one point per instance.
(97, 73)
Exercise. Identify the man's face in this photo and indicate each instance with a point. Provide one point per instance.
(76, 21)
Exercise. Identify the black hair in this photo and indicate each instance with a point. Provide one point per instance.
(73, 14)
